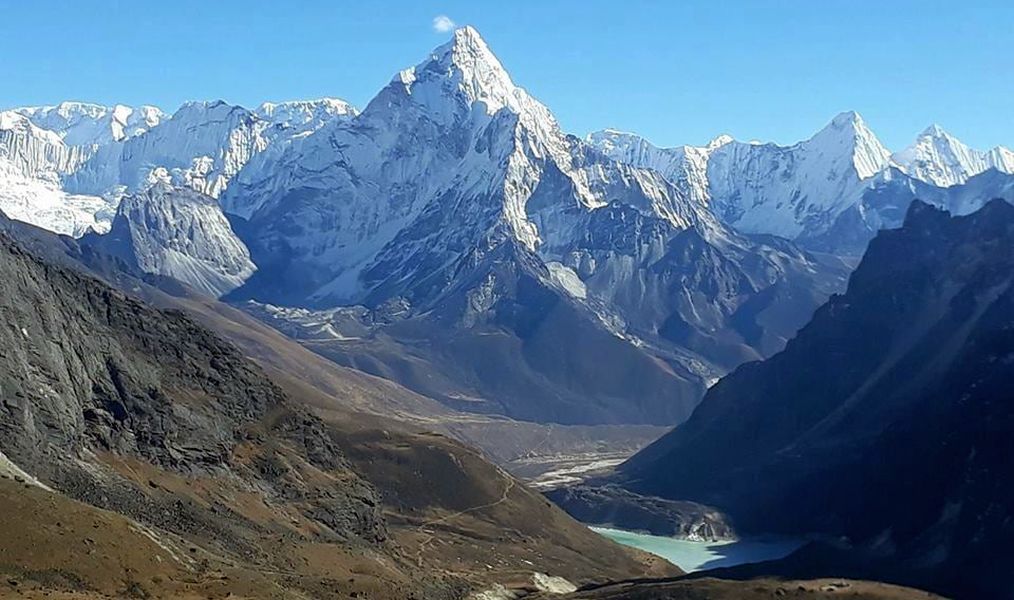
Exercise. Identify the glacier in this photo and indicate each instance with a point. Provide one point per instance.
(65, 167)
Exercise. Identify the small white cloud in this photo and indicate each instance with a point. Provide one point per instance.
(442, 24)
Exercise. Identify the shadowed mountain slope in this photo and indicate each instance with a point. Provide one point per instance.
(887, 420)
(147, 414)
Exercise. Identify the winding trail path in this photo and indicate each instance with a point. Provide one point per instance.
(430, 534)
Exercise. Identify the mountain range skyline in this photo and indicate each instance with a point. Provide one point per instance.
(933, 128)
(439, 340)
(676, 74)
(455, 197)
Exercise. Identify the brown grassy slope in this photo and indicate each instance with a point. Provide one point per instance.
(61, 549)
(56, 547)
(453, 511)
(757, 589)
(456, 523)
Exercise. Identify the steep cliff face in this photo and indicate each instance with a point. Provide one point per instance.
(885, 420)
(88, 374)
(34, 151)
(65, 167)
(202, 146)
(33, 162)
(178, 233)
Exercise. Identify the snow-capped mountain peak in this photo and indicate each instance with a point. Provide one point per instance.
(793, 190)
(848, 136)
(719, 141)
(304, 114)
(463, 75)
(87, 124)
(469, 63)
(16, 123)
(939, 158)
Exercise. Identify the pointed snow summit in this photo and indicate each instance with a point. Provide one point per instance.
(452, 138)
(848, 136)
(938, 158)
(464, 73)
(792, 191)
(467, 62)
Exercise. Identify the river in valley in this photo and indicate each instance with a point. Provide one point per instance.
(698, 556)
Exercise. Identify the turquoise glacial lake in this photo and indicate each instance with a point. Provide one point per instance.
(698, 556)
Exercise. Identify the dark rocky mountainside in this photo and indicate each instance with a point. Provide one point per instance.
(148, 415)
(887, 420)
(90, 377)
(87, 368)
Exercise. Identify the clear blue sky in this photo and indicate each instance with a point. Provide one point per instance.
(675, 71)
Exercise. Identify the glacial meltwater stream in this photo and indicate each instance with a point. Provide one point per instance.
(698, 556)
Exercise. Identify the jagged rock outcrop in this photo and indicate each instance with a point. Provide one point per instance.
(178, 233)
